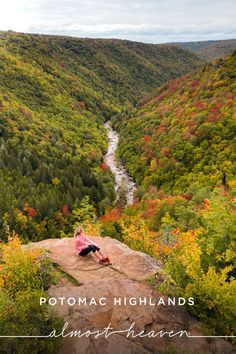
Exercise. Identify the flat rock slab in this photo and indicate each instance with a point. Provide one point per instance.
(117, 285)
(135, 265)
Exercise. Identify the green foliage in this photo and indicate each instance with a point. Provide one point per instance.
(86, 214)
(113, 229)
(218, 238)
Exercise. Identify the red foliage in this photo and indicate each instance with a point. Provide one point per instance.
(25, 112)
(187, 135)
(104, 166)
(218, 105)
(174, 87)
(212, 118)
(82, 105)
(149, 152)
(161, 97)
(62, 64)
(187, 196)
(31, 213)
(65, 210)
(165, 151)
(189, 123)
(162, 128)
(214, 112)
(200, 105)
(179, 111)
(79, 105)
(194, 83)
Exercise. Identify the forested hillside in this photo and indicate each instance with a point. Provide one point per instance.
(183, 135)
(55, 94)
(180, 146)
(209, 50)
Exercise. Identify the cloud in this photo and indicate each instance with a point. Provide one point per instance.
(144, 20)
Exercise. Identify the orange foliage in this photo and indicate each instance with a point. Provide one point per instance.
(147, 138)
(65, 210)
(112, 216)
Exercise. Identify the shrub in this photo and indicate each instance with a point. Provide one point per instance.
(24, 274)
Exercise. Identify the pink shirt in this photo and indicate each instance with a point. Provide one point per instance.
(83, 242)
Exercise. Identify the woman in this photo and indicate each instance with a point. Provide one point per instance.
(84, 246)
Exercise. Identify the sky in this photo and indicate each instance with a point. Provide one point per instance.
(150, 21)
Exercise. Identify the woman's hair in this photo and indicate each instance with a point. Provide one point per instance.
(78, 230)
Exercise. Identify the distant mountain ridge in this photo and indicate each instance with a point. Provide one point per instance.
(130, 69)
(209, 50)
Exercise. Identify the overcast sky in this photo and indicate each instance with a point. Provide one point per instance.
(153, 21)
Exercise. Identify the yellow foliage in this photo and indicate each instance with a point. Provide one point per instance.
(189, 252)
(153, 165)
(21, 219)
(20, 266)
(216, 291)
(55, 181)
(138, 236)
(92, 229)
(212, 289)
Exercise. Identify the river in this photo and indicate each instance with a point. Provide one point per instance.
(124, 184)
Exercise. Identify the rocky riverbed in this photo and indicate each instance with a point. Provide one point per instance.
(124, 184)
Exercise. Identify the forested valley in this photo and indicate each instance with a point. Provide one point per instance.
(176, 118)
(55, 95)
